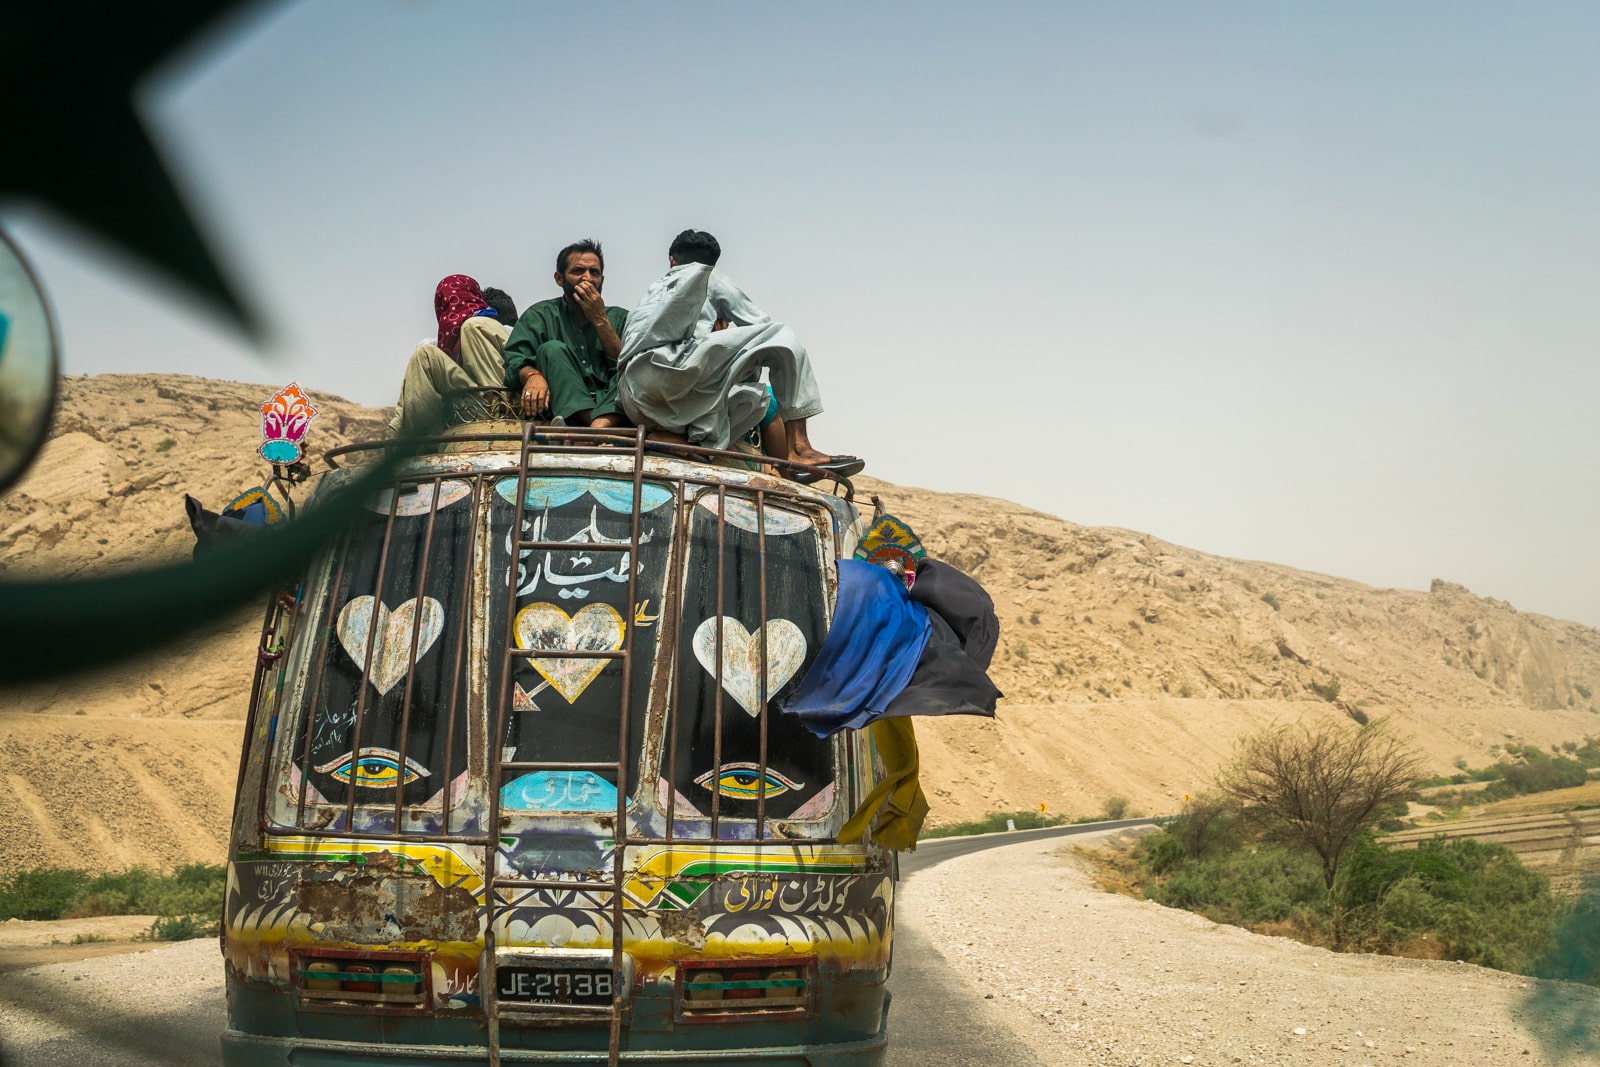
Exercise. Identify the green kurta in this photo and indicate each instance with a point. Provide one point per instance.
(564, 347)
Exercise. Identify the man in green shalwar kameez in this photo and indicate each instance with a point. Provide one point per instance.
(561, 357)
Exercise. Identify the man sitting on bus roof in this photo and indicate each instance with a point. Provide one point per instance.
(692, 360)
(561, 358)
(467, 355)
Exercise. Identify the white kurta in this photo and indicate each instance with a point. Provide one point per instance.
(675, 374)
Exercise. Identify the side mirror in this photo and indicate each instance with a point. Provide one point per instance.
(28, 368)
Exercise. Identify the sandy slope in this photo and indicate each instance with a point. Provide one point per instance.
(1130, 664)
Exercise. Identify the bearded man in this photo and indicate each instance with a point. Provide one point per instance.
(561, 358)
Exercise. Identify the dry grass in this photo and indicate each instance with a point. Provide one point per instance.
(1113, 868)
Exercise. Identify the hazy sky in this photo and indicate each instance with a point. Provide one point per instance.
(1315, 284)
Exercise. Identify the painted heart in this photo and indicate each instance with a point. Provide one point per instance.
(741, 657)
(545, 627)
(391, 651)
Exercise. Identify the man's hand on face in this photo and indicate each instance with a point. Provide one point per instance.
(587, 297)
(535, 396)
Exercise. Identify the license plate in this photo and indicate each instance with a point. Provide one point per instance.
(555, 985)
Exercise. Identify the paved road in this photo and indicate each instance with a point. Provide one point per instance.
(121, 1011)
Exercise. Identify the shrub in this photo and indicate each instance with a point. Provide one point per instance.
(1116, 807)
(1328, 690)
(165, 444)
(1246, 887)
(59, 892)
(42, 893)
(1541, 773)
(995, 822)
(1271, 601)
(183, 927)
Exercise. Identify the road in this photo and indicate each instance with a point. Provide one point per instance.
(120, 1011)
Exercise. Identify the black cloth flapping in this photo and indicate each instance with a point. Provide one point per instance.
(963, 604)
(951, 677)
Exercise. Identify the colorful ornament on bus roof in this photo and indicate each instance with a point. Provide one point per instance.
(285, 418)
(893, 544)
(255, 497)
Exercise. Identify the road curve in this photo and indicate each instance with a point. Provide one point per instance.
(935, 1017)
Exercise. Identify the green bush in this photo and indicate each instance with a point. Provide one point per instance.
(183, 927)
(995, 823)
(1246, 887)
(1543, 773)
(62, 892)
(42, 893)
(1475, 900)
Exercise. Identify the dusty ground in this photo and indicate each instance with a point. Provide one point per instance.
(32, 944)
(1130, 664)
(1089, 977)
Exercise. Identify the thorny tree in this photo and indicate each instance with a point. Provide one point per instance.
(1320, 786)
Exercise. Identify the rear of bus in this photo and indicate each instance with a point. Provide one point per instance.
(516, 791)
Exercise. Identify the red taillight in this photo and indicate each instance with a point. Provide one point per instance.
(724, 990)
(357, 980)
(744, 994)
(353, 986)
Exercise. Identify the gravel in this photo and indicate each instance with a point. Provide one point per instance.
(160, 1007)
(1090, 977)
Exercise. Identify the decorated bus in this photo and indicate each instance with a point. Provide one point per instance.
(516, 788)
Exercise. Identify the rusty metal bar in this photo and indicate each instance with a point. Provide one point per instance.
(619, 853)
(716, 713)
(490, 985)
(684, 509)
(587, 546)
(268, 627)
(691, 453)
(761, 558)
(463, 635)
(366, 662)
(554, 883)
(411, 655)
(315, 680)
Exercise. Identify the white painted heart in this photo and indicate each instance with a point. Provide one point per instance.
(741, 657)
(543, 627)
(391, 653)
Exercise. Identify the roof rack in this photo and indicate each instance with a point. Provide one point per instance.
(490, 424)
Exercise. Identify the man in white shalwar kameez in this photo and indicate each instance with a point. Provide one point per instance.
(692, 357)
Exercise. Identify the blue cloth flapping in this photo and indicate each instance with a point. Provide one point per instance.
(871, 651)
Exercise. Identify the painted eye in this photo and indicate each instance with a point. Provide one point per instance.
(744, 781)
(374, 768)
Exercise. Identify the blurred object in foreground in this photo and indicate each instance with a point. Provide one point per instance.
(27, 364)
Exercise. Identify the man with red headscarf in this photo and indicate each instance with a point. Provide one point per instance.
(468, 355)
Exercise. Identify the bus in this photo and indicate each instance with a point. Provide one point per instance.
(514, 787)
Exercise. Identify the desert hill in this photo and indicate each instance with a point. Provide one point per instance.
(1130, 664)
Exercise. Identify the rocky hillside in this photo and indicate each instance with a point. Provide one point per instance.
(1130, 664)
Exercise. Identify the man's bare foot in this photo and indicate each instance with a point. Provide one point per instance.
(809, 456)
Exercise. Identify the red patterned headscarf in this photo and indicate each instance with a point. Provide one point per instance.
(455, 301)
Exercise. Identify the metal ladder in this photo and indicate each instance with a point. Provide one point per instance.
(533, 443)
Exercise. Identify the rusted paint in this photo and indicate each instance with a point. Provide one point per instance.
(377, 903)
(684, 927)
